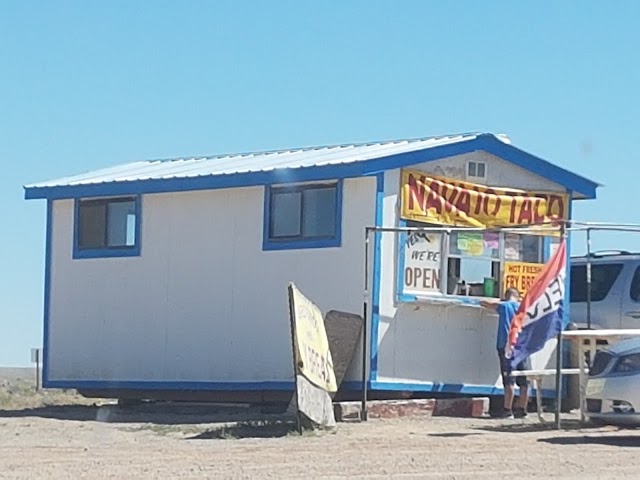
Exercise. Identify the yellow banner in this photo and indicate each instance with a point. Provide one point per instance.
(313, 356)
(520, 275)
(442, 201)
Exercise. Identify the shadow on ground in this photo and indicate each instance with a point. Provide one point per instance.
(453, 434)
(529, 426)
(257, 429)
(161, 414)
(609, 440)
(57, 412)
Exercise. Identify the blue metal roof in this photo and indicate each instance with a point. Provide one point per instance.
(294, 165)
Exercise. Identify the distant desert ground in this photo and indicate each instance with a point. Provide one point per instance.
(12, 374)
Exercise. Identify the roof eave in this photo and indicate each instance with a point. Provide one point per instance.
(579, 187)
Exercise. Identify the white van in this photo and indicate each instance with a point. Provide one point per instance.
(615, 290)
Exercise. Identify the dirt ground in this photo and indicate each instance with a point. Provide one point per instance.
(57, 441)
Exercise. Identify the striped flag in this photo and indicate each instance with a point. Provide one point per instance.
(540, 316)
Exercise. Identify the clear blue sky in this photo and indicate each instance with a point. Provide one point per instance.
(90, 84)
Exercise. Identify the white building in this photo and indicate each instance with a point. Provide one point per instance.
(168, 277)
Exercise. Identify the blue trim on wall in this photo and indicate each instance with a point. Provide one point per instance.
(486, 142)
(546, 249)
(47, 294)
(269, 244)
(133, 251)
(451, 388)
(266, 217)
(159, 385)
(106, 253)
(460, 300)
(402, 298)
(377, 271)
(287, 386)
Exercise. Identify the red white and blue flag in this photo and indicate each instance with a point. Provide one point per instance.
(540, 316)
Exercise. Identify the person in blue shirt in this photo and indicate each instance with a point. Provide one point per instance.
(506, 310)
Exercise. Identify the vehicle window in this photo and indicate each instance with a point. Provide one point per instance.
(600, 363)
(635, 286)
(629, 363)
(603, 275)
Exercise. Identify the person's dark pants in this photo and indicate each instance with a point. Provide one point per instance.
(505, 371)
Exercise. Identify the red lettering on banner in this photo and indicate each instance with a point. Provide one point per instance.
(537, 216)
(455, 201)
(416, 191)
(512, 211)
(511, 281)
(555, 202)
(479, 201)
(525, 282)
(434, 200)
(441, 197)
(463, 202)
(525, 212)
(492, 193)
(447, 196)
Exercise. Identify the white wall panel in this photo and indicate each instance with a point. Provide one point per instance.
(203, 302)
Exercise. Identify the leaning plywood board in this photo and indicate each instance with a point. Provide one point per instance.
(314, 403)
(312, 361)
(344, 331)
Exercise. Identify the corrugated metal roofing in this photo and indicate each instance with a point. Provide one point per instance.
(251, 162)
(296, 165)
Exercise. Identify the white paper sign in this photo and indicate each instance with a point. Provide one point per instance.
(512, 247)
(36, 355)
(422, 262)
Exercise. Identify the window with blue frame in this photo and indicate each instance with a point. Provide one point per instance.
(303, 215)
(107, 227)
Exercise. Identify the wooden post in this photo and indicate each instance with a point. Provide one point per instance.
(292, 313)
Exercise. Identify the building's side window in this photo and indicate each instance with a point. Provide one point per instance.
(477, 170)
(107, 227)
(302, 216)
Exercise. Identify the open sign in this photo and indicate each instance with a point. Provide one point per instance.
(422, 261)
